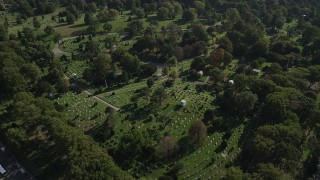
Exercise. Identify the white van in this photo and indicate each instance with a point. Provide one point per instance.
(3, 172)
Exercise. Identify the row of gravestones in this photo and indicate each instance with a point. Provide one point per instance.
(222, 159)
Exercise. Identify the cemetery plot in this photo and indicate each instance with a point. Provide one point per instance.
(121, 97)
(204, 162)
(82, 111)
(75, 67)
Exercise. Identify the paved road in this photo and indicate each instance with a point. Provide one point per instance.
(57, 51)
(14, 169)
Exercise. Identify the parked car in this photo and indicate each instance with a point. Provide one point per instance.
(3, 172)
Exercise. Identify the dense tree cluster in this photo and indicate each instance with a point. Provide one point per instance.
(32, 125)
(272, 87)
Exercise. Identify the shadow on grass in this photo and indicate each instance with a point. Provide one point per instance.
(179, 22)
(79, 32)
(77, 26)
(60, 25)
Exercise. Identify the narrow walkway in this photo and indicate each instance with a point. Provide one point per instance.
(57, 51)
(101, 100)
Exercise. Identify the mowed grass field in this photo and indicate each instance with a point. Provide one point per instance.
(79, 27)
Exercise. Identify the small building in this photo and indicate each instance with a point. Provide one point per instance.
(200, 74)
(231, 82)
(3, 172)
(256, 72)
(183, 103)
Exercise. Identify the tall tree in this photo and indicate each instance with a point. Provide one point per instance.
(197, 133)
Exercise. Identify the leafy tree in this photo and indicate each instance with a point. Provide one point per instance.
(276, 105)
(134, 145)
(233, 15)
(113, 14)
(31, 71)
(243, 103)
(3, 33)
(12, 81)
(147, 70)
(150, 82)
(215, 74)
(92, 48)
(36, 23)
(159, 97)
(197, 133)
(174, 75)
(99, 69)
(235, 173)
(110, 40)
(208, 116)
(135, 28)
(217, 57)
(269, 171)
(163, 13)
(107, 27)
(134, 99)
(178, 53)
(167, 147)
(92, 28)
(57, 37)
(165, 71)
(189, 15)
(131, 64)
(89, 19)
(198, 63)
(63, 85)
(225, 44)
(70, 18)
(92, 7)
(49, 30)
(278, 144)
(106, 130)
(140, 13)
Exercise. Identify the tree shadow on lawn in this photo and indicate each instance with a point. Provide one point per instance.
(247, 132)
(125, 38)
(137, 113)
(61, 25)
(177, 107)
(79, 32)
(78, 26)
(179, 22)
(153, 18)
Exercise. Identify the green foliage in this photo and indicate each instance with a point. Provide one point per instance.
(135, 28)
(70, 18)
(197, 133)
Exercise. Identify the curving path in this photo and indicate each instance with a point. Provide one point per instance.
(57, 51)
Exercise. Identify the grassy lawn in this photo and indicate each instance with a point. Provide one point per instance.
(82, 112)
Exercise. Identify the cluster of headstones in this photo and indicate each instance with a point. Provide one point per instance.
(75, 68)
(200, 169)
(82, 108)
